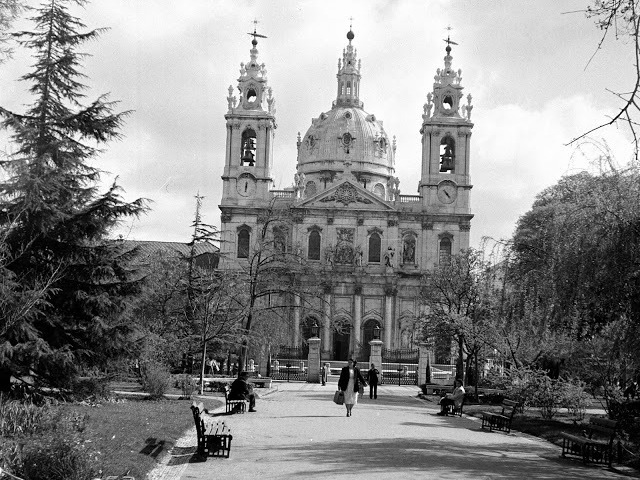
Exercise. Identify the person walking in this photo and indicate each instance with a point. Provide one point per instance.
(324, 374)
(349, 382)
(373, 376)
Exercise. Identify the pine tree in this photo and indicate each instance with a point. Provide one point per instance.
(55, 221)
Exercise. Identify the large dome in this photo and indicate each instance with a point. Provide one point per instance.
(346, 134)
(346, 138)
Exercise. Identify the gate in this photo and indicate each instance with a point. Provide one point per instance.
(290, 363)
(399, 366)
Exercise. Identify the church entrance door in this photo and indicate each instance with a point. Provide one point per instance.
(341, 345)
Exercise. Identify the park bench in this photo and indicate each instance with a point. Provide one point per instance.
(596, 443)
(500, 421)
(214, 439)
(233, 405)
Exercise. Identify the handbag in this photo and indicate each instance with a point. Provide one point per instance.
(361, 389)
(338, 397)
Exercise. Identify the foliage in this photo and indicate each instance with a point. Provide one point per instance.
(55, 221)
(92, 388)
(186, 384)
(9, 10)
(620, 18)
(155, 379)
(22, 417)
(455, 296)
(59, 458)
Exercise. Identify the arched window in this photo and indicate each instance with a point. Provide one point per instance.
(248, 151)
(310, 189)
(374, 248)
(445, 251)
(243, 243)
(378, 190)
(447, 154)
(341, 88)
(348, 88)
(314, 245)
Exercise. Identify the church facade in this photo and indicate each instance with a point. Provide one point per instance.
(373, 243)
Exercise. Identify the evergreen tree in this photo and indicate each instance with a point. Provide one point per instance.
(54, 218)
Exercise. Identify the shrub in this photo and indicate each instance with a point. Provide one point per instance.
(155, 380)
(22, 417)
(56, 458)
(186, 384)
(96, 388)
(575, 398)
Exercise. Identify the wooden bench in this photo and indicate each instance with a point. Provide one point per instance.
(239, 406)
(209, 382)
(500, 421)
(456, 410)
(214, 439)
(596, 444)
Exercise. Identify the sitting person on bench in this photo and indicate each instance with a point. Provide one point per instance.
(452, 399)
(242, 390)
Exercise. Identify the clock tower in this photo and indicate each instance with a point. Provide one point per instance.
(251, 124)
(445, 182)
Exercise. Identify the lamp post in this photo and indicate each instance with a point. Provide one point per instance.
(376, 332)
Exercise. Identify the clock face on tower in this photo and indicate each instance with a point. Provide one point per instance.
(447, 191)
(246, 185)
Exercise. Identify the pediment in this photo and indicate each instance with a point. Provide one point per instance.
(347, 194)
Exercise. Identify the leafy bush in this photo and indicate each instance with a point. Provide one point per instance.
(187, 384)
(22, 417)
(93, 387)
(575, 398)
(56, 458)
(155, 380)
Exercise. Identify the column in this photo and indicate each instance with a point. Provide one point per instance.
(296, 320)
(388, 316)
(326, 326)
(424, 363)
(375, 356)
(357, 319)
(313, 372)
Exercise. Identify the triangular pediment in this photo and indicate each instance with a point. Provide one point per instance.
(347, 194)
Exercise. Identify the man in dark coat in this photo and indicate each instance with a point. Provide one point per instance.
(242, 390)
(373, 376)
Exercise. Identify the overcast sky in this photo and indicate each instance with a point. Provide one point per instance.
(171, 62)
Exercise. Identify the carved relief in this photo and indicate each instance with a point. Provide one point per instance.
(346, 194)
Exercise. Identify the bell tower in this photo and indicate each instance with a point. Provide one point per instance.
(251, 125)
(446, 133)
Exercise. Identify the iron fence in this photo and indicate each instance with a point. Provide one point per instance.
(399, 366)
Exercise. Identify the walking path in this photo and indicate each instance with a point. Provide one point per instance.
(298, 432)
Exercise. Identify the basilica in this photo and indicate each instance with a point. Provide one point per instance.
(373, 243)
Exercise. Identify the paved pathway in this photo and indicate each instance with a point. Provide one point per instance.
(299, 433)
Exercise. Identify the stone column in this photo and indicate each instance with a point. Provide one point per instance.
(388, 315)
(424, 362)
(375, 356)
(326, 325)
(296, 321)
(313, 371)
(357, 319)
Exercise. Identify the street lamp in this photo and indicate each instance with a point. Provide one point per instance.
(376, 332)
(315, 329)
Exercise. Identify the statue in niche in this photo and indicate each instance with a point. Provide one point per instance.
(388, 256)
(358, 256)
(409, 251)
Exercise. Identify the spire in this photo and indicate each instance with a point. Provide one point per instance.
(252, 83)
(349, 76)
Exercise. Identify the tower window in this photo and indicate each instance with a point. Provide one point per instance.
(445, 251)
(378, 190)
(311, 189)
(348, 88)
(248, 153)
(447, 154)
(252, 96)
(341, 88)
(243, 243)
(314, 245)
(447, 103)
(374, 248)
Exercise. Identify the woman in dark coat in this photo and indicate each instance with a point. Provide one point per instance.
(349, 383)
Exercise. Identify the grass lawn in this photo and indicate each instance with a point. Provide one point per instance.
(131, 435)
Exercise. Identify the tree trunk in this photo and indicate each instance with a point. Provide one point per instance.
(460, 364)
(204, 357)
